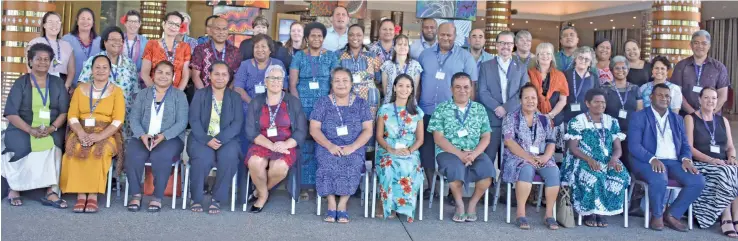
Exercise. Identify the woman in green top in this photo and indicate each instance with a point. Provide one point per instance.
(37, 110)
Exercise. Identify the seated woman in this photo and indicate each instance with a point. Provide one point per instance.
(341, 124)
(530, 141)
(95, 139)
(36, 107)
(714, 155)
(276, 125)
(592, 167)
(216, 119)
(399, 136)
(158, 120)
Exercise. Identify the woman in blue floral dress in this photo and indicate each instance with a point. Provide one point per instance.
(310, 74)
(398, 160)
(592, 168)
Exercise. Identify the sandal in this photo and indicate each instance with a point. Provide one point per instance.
(154, 208)
(459, 217)
(523, 223)
(591, 221)
(196, 207)
(410, 219)
(729, 233)
(134, 207)
(59, 203)
(79, 207)
(214, 207)
(471, 217)
(601, 221)
(342, 217)
(330, 216)
(15, 201)
(91, 206)
(551, 223)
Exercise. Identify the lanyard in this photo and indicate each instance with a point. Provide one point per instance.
(712, 133)
(355, 61)
(566, 59)
(216, 106)
(258, 71)
(158, 107)
(698, 71)
(466, 114)
(58, 52)
(662, 130)
(94, 106)
(215, 51)
(438, 56)
(400, 122)
(386, 55)
(577, 91)
(166, 50)
(130, 48)
(339, 110)
(85, 49)
(499, 65)
(398, 67)
(113, 70)
(535, 126)
(627, 91)
(601, 132)
(273, 114)
(313, 65)
(44, 96)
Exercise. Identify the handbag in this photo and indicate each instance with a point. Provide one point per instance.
(564, 209)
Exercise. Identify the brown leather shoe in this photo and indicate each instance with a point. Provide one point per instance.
(657, 223)
(674, 223)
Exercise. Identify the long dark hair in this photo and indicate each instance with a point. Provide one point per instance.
(43, 21)
(75, 28)
(411, 107)
(394, 54)
(347, 48)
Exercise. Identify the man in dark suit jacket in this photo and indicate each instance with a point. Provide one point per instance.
(660, 151)
(500, 80)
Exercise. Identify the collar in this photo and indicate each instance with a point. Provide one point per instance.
(437, 49)
(333, 30)
(658, 116)
(425, 43)
(708, 60)
(501, 61)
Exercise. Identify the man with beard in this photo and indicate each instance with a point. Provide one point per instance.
(428, 40)
(476, 47)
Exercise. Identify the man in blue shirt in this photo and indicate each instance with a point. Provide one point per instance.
(476, 47)
(569, 41)
(337, 35)
(428, 40)
(439, 64)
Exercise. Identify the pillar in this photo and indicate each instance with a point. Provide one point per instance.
(21, 23)
(152, 14)
(673, 25)
(397, 18)
(497, 19)
(646, 31)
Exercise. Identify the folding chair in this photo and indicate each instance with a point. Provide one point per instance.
(625, 209)
(187, 186)
(364, 193)
(437, 175)
(175, 181)
(374, 196)
(110, 185)
(671, 185)
(537, 180)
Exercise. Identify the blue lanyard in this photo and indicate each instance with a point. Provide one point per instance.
(438, 57)
(712, 132)
(568, 60)
(535, 126)
(215, 51)
(273, 114)
(577, 91)
(627, 91)
(466, 114)
(355, 61)
(601, 132)
(398, 67)
(130, 48)
(44, 96)
(158, 107)
(94, 106)
(386, 55)
(87, 49)
(698, 71)
(58, 52)
(166, 50)
(400, 122)
(662, 129)
(339, 110)
(313, 65)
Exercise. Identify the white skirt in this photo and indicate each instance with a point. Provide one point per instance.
(37, 170)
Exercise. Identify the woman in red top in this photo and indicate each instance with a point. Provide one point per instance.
(169, 49)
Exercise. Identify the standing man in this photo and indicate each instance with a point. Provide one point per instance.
(476, 47)
(500, 80)
(428, 40)
(337, 35)
(439, 64)
(523, 55)
(569, 41)
(218, 48)
(700, 71)
(208, 32)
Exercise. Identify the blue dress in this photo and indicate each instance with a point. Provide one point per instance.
(81, 54)
(324, 64)
(339, 175)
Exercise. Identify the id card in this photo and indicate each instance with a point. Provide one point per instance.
(623, 114)
(462, 133)
(400, 146)
(342, 130)
(314, 85)
(357, 78)
(272, 132)
(697, 89)
(535, 150)
(440, 75)
(44, 114)
(90, 122)
(714, 149)
(576, 107)
(259, 89)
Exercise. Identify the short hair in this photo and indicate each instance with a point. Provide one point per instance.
(263, 37)
(429, 19)
(523, 34)
(344, 70)
(660, 86)
(663, 60)
(459, 75)
(508, 33)
(260, 20)
(211, 17)
(619, 59)
(452, 26)
(336, 8)
(527, 85)
(314, 25)
(385, 21)
(702, 32)
(589, 96)
(106, 34)
(174, 13)
(43, 21)
(584, 50)
(133, 13)
(702, 92)
(164, 63)
(75, 28)
(274, 67)
(543, 46)
(39, 47)
(561, 33)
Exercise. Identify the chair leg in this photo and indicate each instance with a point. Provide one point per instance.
(440, 198)
(554, 211)
(432, 191)
(174, 185)
(540, 197)
(125, 198)
(626, 207)
(319, 200)
(420, 217)
(366, 194)
(507, 204)
(292, 196)
(689, 217)
(110, 186)
(248, 185)
(374, 195)
(186, 185)
(647, 218)
(486, 204)
(496, 199)
(579, 219)
(233, 193)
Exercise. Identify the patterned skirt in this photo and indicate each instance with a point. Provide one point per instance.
(721, 188)
(593, 192)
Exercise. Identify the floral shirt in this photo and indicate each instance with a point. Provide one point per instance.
(379, 51)
(392, 70)
(123, 74)
(445, 120)
(205, 55)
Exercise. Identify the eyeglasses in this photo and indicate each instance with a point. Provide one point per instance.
(173, 24)
(584, 59)
(623, 68)
(508, 44)
(274, 78)
(134, 21)
(53, 22)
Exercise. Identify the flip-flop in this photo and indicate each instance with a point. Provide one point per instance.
(601, 221)
(196, 207)
(214, 206)
(134, 207)
(551, 223)
(459, 217)
(56, 204)
(591, 221)
(154, 208)
(12, 201)
(471, 217)
(523, 223)
(342, 217)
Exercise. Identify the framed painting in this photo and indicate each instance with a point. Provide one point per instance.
(447, 9)
(248, 3)
(357, 9)
(239, 18)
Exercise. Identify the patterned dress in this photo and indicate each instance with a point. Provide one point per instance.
(363, 68)
(339, 175)
(399, 176)
(205, 55)
(593, 192)
(392, 70)
(282, 121)
(515, 128)
(312, 68)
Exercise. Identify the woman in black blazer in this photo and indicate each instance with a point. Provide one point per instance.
(216, 119)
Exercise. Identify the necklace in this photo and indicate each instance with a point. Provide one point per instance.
(95, 87)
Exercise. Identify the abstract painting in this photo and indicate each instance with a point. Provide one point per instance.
(239, 18)
(448, 9)
(357, 9)
(248, 3)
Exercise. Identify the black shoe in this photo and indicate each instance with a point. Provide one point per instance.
(252, 198)
(255, 209)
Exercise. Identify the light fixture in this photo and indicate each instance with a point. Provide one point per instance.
(613, 27)
(634, 25)
(612, 20)
(573, 25)
(595, 29)
(307, 8)
(513, 24)
(526, 21)
(482, 18)
(712, 17)
(591, 22)
(634, 17)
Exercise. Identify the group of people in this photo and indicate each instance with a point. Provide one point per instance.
(319, 104)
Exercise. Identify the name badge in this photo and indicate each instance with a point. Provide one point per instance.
(259, 89)
(598, 125)
(714, 149)
(623, 114)
(440, 75)
(357, 78)
(44, 114)
(400, 146)
(342, 130)
(272, 132)
(462, 133)
(56, 74)
(90, 122)
(697, 89)
(534, 150)
(314, 85)
(576, 107)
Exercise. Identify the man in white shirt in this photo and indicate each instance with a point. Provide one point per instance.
(660, 152)
(430, 29)
(337, 35)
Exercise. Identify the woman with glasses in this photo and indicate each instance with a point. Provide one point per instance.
(63, 65)
(550, 83)
(84, 40)
(133, 42)
(169, 49)
(580, 80)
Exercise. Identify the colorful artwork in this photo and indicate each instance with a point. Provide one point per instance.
(247, 3)
(356, 8)
(236, 39)
(239, 18)
(449, 9)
